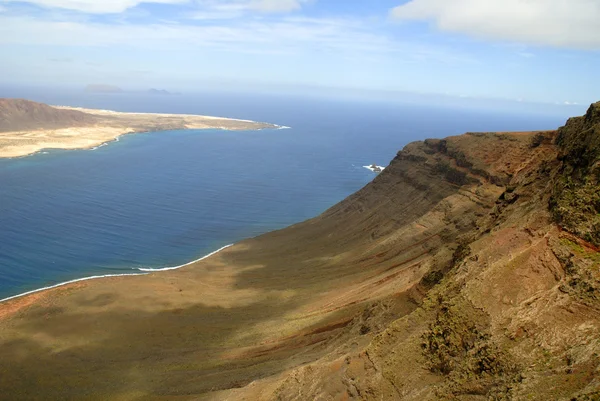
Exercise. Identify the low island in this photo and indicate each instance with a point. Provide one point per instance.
(27, 127)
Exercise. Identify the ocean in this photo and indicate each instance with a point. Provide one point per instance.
(162, 199)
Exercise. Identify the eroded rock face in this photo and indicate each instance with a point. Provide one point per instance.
(513, 313)
(576, 200)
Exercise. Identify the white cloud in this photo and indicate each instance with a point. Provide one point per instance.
(94, 6)
(562, 23)
(229, 9)
(275, 6)
(344, 38)
(283, 35)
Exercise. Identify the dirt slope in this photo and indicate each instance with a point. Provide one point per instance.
(447, 277)
(515, 314)
(20, 114)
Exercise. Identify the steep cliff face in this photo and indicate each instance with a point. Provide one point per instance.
(576, 200)
(511, 312)
(445, 278)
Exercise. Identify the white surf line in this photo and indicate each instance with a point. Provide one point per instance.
(70, 282)
(117, 139)
(143, 269)
(147, 271)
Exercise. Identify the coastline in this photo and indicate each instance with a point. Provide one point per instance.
(352, 301)
(67, 283)
(149, 270)
(145, 272)
(109, 126)
(90, 147)
(116, 113)
(117, 138)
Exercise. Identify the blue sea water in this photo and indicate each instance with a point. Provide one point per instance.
(162, 199)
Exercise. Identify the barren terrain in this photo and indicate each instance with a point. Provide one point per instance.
(447, 277)
(27, 127)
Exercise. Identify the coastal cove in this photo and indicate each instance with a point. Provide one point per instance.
(166, 198)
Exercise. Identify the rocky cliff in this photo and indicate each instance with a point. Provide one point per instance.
(467, 270)
(575, 203)
(514, 313)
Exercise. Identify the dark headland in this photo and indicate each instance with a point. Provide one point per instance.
(469, 269)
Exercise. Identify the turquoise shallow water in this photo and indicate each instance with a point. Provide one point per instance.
(163, 199)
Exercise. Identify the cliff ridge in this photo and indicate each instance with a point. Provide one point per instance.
(576, 200)
(467, 270)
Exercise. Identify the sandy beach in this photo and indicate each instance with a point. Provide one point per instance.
(107, 126)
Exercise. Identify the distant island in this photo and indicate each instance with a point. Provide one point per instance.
(27, 127)
(113, 89)
(161, 92)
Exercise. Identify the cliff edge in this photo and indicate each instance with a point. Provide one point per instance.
(514, 314)
(575, 203)
(465, 271)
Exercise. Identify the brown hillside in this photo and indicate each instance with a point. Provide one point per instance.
(447, 277)
(19, 114)
(576, 199)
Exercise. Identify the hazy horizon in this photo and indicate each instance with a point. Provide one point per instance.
(530, 52)
(48, 94)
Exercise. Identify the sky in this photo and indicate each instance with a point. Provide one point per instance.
(522, 50)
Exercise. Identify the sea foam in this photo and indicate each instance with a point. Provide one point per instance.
(106, 143)
(372, 169)
(143, 269)
(146, 272)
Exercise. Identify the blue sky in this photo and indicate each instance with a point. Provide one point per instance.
(531, 50)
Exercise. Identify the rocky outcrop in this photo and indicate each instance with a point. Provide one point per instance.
(575, 203)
